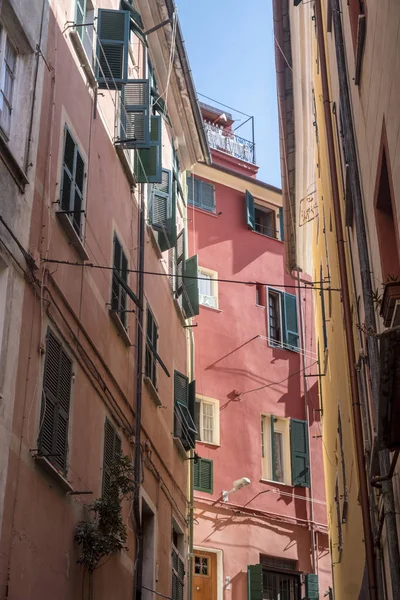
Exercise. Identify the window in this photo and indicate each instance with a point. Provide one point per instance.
(283, 330)
(178, 566)
(112, 448)
(203, 475)
(119, 278)
(151, 348)
(56, 395)
(208, 287)
(207, 420)
(265, 582)
(284, 450)
(8, 57)
(201, 194)
(84, 15)
(260, 295)
(72, 182)
(184, 409)
(265, 221)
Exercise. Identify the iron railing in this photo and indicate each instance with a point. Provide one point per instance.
(227, 141)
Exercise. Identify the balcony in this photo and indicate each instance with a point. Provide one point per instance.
(226, 141)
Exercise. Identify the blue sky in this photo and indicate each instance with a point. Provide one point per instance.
(231, 53)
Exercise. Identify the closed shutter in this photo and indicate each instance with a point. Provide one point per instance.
(135, 114)
(254, 582)
(148, 160)
(203, 475)
(192, 192)
(163, 211)
(53, 435)
(291, 328)
(299, 453)
(190, 294)
(112, 48)
(312, 586)
(112, 448)
(250, 215)
(206, 193)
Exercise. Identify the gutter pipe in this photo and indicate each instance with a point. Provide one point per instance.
(355, 398)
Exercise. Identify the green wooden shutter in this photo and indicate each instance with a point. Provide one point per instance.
(192, 409)
(112, 48)
(148, 161)
(192, 194)
(72, 183)
(112, 447)
(135, 114)
(206, 194)
(180, 261)
(290, 323)
(250, 216)
(190, 293)
(163, 211)
(312, 587)
(196, 473)
(53, 435)
(299, 453)
(135, 15)
(254, 582)
(181, 388)
(80, 14)
(203, 475)
(281, 224)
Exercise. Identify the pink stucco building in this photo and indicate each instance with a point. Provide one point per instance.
(257, 405)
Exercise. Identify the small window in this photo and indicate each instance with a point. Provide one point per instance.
(208, 287)
(265, 221)
(283, 329)
(120, 277)
(275, 449)
(151, 348)
(112, 448)
(56, 396)
(260, 295)
(207, 420)
(203, 475)
(8, 56)
(202, 565)
(72, 182)
(201, 194)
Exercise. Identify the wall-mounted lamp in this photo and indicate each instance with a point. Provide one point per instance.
(237, 485)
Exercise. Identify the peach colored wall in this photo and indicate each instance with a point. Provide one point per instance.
(232, 358)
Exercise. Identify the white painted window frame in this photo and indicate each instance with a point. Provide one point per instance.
(281, 425)
(216, 419)
(204, 272)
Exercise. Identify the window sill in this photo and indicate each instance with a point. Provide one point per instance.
(154, 241)
(203, 210)
(181, 450)
(268, 237)
(209, 444)
(47, 466)
(179, 312)
(11, 164)
(153, 391)
(122, 332)
(73, 237)
(279, 483)
(83, 59)
(211, 308)
(279, 347)
(126, 165)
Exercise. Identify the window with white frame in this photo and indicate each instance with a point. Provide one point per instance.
(207, 420)
(275, 449)
(283, 328)
(208, 287)
(8, 61)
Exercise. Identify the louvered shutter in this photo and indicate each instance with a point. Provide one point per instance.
(203, 475)
(161, 202)
(135, 15)
(190, 293)
(192, 193)
(120, 272)
(112, 447)
(181, 388)
(192, 410)
(281, 224)
(299, 453)
(180, 261)
(291, 328)
(167, 237)
(207, 194)
(312, 586)
(148, 161)
(254, 582)
(53, 435)
(250, 216)
(112, 48)
(72, 183)
(80, 14)
(135, 114)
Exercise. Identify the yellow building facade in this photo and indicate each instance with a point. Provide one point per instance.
(343, 234)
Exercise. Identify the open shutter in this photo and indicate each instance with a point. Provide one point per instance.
(250, 216)
(135, 114)
(281, 224)
(112, 48)
(163, 211)
(68, 175)
(64, 396)
(254, 582)
(148, 160)
(299, 453)
(192, 190)
(180, 261)
(312, 587)
(135, 15)
(192, 408)
(181, 388)
(196, 472)
(203, 475)
(190, 294)
(167, 239)
(291, 328)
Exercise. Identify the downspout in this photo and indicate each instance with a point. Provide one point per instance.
(138, 421)
(367, 293)
(355, 398)
(191, 482)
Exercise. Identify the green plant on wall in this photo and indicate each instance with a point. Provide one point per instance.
(105, 533)
(377, 295)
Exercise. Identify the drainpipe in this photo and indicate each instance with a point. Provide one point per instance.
(191, 483)
(355, 398)
(367, 293)
(138, 420)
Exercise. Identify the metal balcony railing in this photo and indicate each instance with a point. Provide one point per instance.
(225, 140)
